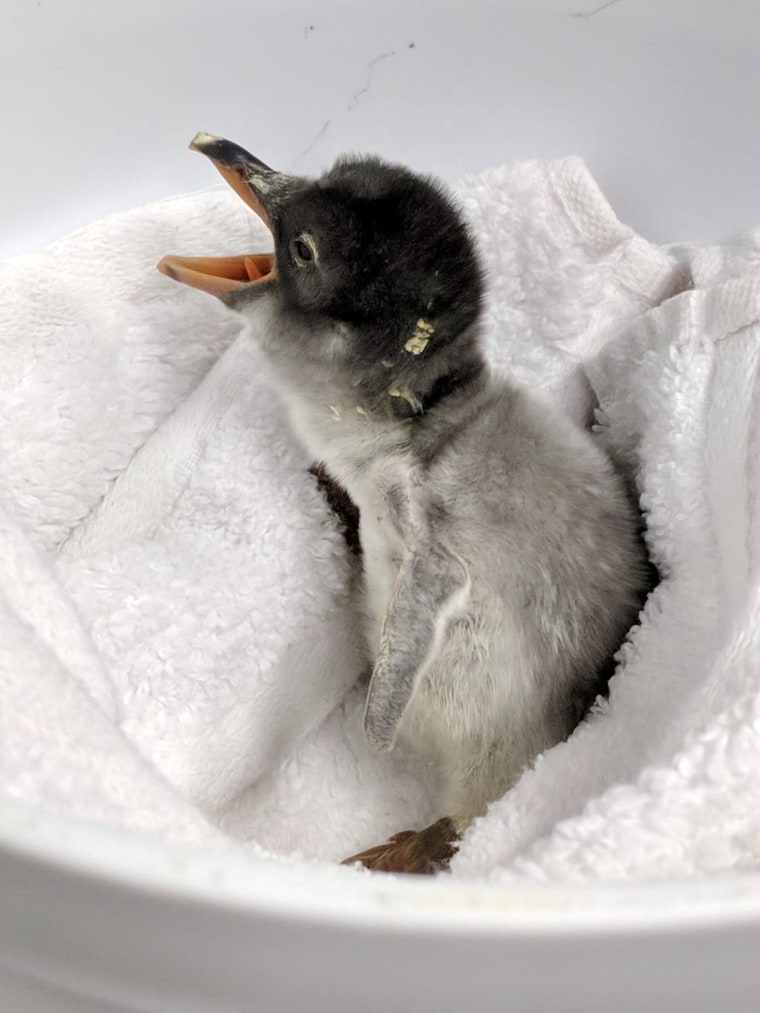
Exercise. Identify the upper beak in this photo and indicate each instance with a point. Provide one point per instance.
(248, 176)
(261, 188)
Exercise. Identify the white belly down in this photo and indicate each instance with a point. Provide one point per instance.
(458, 716)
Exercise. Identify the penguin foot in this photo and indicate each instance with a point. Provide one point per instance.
(417, 852)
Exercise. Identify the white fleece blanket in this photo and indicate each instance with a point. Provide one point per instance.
(178, 652)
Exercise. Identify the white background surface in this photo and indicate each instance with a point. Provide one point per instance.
(100, 100)
(98, 103)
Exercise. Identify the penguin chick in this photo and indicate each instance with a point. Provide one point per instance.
(502, 559)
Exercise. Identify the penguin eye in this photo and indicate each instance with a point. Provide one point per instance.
(303, 250)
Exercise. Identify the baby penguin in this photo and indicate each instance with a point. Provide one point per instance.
(502, 558)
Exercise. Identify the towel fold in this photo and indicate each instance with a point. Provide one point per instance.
(664, 780)
(181, 653)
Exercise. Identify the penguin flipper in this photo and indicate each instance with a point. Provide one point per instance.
(432, 585)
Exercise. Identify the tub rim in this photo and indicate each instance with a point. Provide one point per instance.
(318, 892)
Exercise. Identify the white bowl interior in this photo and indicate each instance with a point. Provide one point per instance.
(104, 99)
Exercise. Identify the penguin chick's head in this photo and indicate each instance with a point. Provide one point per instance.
(371, 247)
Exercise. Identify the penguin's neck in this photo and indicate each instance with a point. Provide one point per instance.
(339, 431)
(335, 417)
(360, 447)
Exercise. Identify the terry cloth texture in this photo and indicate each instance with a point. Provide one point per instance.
(180, 653)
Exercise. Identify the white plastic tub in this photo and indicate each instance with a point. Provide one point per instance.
(99, 102)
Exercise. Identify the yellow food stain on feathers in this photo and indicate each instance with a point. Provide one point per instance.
(362, 411)
(461, 823)
(335, 412)
(423, 331)
(416, 344)
(408, 396)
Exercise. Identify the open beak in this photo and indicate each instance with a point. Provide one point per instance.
(260, 187)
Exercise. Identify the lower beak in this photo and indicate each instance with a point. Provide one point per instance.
(258, 185)
(219, 275)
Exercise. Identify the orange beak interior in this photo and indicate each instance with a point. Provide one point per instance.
(219, 275)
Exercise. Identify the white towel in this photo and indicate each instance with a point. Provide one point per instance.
(664, 780)
(181, 654)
